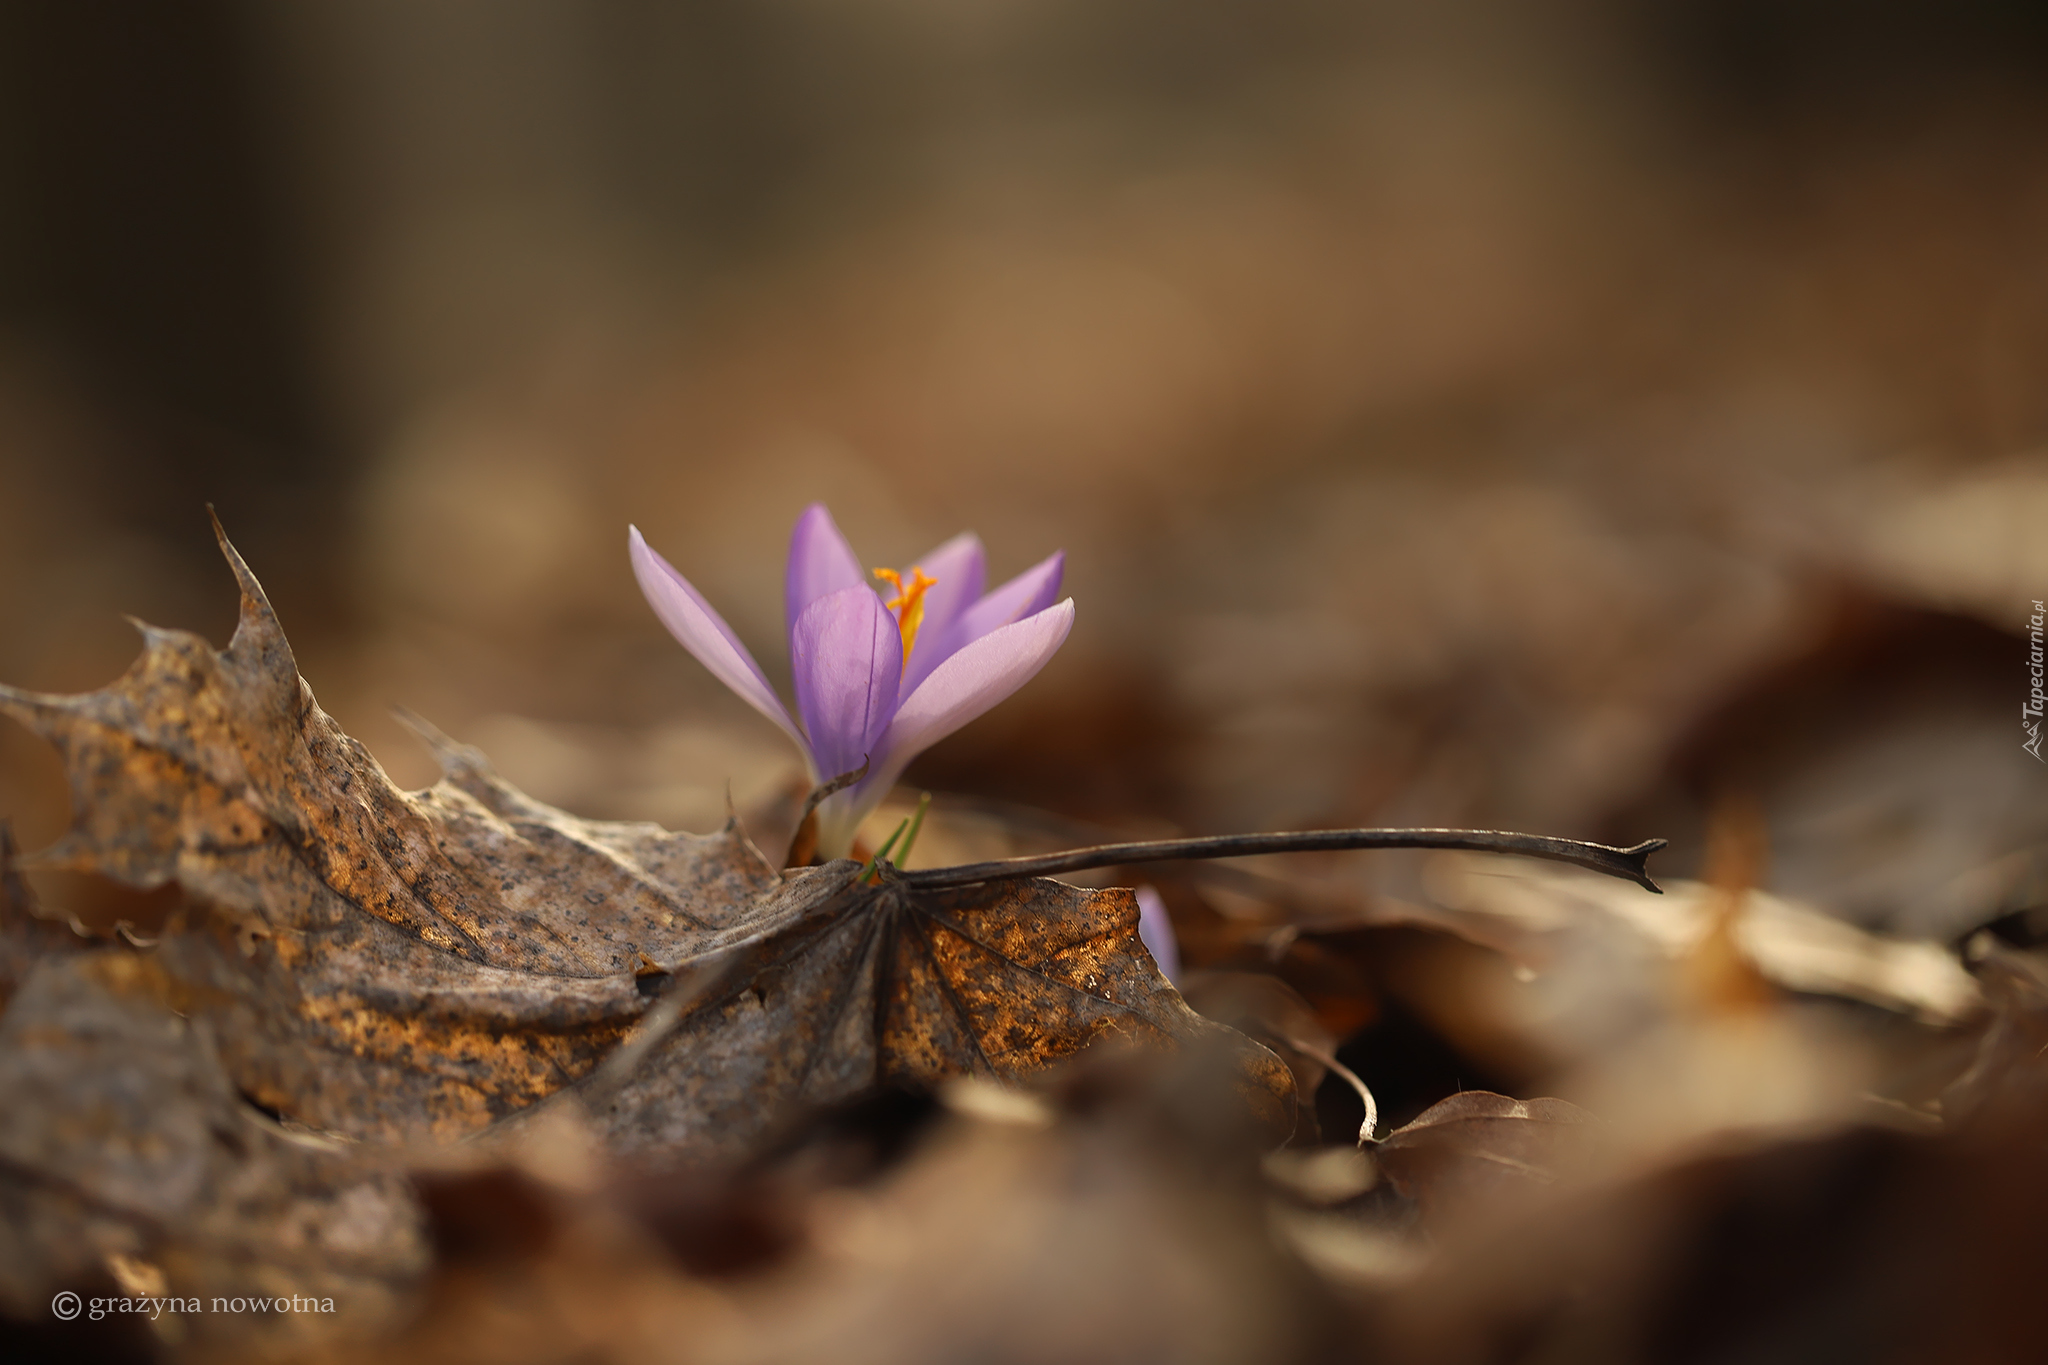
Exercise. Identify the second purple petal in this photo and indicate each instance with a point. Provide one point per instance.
(979, 675)
(820, 563)
(1029, 593)
(959, 569)
(847, 656)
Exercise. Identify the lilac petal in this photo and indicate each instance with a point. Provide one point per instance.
(961, 570)
(820, 562)
(980, 674)
(701, 630)
(1155, 927)
(1029, 593)
(848, 659)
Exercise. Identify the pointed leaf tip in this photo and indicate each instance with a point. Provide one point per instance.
(250, 587)
(152, 636)
(32, 709)
(259, 635)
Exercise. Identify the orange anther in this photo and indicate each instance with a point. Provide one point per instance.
(908, 603)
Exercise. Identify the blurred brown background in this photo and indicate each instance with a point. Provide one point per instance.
(1566, 416)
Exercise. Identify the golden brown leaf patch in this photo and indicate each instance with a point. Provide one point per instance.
(846, 986)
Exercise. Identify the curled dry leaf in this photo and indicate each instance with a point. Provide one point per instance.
(1267, 1009)
(1480, 1147)
(396, 965)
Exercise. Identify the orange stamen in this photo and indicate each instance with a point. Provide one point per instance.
(908, 603)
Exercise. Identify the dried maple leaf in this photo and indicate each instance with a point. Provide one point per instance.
(388, 965)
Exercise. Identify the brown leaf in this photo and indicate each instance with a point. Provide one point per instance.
(1478, 1147)
(26, 936)
(124, 1148)
(388, 965)
(380, 963)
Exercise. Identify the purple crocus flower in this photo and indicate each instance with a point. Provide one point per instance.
(877, 681)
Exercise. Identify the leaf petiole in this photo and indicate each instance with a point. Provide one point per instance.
(1625, 863)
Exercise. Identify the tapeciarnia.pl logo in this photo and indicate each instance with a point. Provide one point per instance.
(2030, 709)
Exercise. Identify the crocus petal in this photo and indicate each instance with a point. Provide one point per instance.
(961, 569)
(705, 634)
(978, 675)
(1029, 593)
(820, 563)
(848, 659)
(1155, 928)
